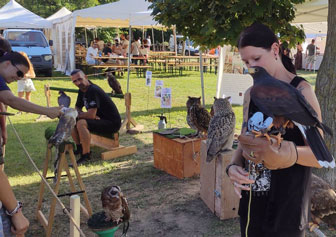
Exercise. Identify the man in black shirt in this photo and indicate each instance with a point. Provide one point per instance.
(107, 51)
(102, 115)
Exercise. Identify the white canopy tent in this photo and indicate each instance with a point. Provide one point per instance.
(59, 49)
(13, 15)
(124, 13)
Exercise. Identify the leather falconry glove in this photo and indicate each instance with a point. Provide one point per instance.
(272, 155)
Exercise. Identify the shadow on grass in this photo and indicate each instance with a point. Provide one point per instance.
(33, 138)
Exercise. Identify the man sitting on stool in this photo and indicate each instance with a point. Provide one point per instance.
(102, 115)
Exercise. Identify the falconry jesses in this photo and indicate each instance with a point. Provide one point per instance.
(277, 99)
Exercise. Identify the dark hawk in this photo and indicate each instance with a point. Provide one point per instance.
(63, 99)
(278, 99)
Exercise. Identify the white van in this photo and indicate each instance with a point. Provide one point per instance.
(35, 45)
(189, 45)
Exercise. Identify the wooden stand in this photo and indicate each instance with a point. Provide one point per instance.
(178, 157)
(126, 124)
(115, 149)
(216, 188)
(63, 165)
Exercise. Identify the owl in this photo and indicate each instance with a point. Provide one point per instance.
(115, 205)
(114, 84)
(221, 128)
(63, 99)
(63, 133)
(198, 117)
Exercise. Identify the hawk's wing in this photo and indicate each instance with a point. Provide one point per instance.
(281, 99)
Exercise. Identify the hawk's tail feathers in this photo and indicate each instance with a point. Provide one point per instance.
(319, 148)
(326, 129)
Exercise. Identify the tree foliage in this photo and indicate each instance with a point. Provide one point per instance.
(217, 22)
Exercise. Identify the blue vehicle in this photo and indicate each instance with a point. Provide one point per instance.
(35, 45)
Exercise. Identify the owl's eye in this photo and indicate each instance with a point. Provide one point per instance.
(114, 192)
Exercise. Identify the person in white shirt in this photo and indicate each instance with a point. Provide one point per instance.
(135, 49)
(124, 44)
(91, 54)
(149, 42)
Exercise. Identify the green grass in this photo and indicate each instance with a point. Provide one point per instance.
(145, 186)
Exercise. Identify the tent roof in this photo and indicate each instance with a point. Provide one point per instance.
(60, 13)
(117, 14)
(312, 11)
(13, 15)
(314, 27)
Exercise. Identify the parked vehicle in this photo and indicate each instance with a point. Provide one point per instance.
(188, 45)
(35, 45)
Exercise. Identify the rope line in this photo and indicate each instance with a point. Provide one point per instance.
(249, 205)
(45, 181)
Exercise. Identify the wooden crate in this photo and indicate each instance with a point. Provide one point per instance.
(178, 157)
(216, 188)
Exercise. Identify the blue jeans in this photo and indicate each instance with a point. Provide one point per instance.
(5, 224)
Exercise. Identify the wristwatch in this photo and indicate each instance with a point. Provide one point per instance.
(16, 209)
(228, 167)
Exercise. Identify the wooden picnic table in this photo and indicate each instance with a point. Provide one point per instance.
(139, 68)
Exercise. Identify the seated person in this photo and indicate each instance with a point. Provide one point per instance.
(102, 115)
(107, 51)
(91, 54)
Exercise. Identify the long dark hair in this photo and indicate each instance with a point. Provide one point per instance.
(6, 54)
(259, 35)
(5, 46)
(15, 58)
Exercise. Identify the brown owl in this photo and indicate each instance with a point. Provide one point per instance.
(114, 84)
(198, 117)
(221, 128)
(115, 205)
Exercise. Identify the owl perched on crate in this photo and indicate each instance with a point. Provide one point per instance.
(115, 205)
(221, 128)
(114, 84)
(198, 117)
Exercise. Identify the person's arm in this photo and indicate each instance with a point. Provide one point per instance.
(90, 114)
(7, 197)
(306, 156)
(8, 98)
(238, 176)
(3, 124)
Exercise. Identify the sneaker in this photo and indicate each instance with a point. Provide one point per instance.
(83, 158)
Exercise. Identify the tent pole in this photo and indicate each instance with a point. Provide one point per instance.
(86, 41)
(202, 80)
(153, 39)
(163, 47)
(175, 43)
(143, 34)
(129, 55)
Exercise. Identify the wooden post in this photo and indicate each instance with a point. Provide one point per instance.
(75, 213)
(47, 94)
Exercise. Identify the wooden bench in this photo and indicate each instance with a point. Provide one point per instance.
(117, 66)
(108, 141)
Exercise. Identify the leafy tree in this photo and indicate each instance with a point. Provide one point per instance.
(213, 22)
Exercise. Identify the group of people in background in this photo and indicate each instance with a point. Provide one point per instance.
(117, 48)
(310, 56)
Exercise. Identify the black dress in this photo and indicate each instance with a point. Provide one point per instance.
(282, 210)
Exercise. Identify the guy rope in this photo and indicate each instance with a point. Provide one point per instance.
(65, 210)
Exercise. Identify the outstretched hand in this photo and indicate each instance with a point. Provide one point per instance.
(268, 152)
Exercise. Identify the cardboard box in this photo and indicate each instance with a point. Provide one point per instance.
(216, 188)
(178, 157)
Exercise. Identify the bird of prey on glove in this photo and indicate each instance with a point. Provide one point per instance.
(283, 102)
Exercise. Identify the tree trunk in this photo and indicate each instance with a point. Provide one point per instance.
(326, 91)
